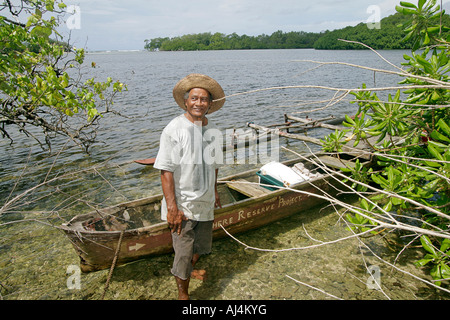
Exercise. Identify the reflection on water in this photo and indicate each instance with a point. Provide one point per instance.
(34, 257)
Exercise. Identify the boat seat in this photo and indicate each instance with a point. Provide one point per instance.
(249, 189)
(336, 163)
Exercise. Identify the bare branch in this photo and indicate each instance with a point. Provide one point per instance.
(309, 286)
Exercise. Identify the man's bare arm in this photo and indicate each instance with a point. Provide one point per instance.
(174, 216)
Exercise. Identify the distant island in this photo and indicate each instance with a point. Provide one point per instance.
(388, 36)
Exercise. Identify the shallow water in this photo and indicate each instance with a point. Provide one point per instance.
(35, 256)
(35, 260)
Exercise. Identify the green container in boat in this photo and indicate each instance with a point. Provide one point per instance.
(266, 179)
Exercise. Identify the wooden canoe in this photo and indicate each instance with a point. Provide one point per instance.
(246, 205)
(146, 162)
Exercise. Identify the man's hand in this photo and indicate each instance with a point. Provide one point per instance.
(174, 218)
(217, 200)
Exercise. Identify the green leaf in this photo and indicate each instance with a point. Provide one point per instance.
(425, 63)
(41, 32)
(438, 136)
(408, 4)
(423, 262)
(38, 13)
(391, 174)
(434, 152)
(421, 3)
(31, 21)
(445, 271)
(432, 164)
(405, 11)
(426, 243)
(443, 126)
(441, 147)
(349, 120)
(445, 245)
(434, 29)
(388, 206)
(396, 201)
(435, 273)
(364, 204)
(426, 41)
(379, 180)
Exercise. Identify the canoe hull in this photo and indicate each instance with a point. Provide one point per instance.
(97, 249)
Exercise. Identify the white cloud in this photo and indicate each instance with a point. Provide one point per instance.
(114, 24)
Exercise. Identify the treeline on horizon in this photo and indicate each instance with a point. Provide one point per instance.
(388, 36)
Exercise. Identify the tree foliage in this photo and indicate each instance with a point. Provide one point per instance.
(38, 88)
(388, 36)
(220, 41)
(414, 169)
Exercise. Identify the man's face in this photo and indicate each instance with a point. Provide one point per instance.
(198, 103)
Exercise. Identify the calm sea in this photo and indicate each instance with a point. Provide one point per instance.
(148, 104)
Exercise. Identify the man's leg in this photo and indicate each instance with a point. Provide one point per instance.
(185, 258)
(183, 288)
(183, 245)
(202, 245)
(197, 274)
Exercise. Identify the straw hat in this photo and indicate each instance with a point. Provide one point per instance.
(196, 80)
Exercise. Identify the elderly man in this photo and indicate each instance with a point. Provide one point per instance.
(189, 175)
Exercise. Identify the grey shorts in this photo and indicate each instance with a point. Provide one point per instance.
(195, 237)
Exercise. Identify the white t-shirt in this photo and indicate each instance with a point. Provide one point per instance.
(192, 152)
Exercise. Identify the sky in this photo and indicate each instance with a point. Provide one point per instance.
(124, 25)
